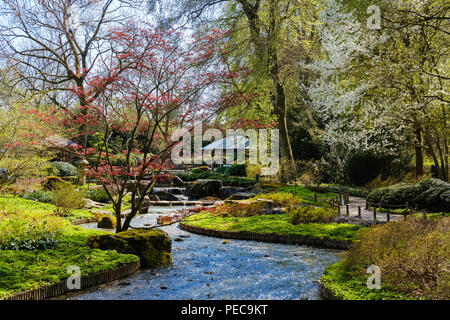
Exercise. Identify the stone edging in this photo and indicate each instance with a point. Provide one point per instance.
(271, 237)
(87, 281)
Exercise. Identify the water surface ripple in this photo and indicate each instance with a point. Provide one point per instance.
(205, 268)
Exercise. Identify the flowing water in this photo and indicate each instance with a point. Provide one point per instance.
(206, 268)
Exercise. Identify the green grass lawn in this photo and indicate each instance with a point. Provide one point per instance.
(307, 196)
(346, 287)
(17, 204)
(277, 223)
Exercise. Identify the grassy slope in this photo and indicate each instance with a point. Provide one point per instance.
(17, 204)
(21, 270)
(347, 287)
(274, 224)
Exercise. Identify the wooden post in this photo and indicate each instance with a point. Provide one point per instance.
(388, 218)
(347, 210)
(359, 212)
(339, 209)
(374, 213)
(367, 205)
(315, 197)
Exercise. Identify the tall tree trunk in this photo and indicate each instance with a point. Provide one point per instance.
(430, 148)
(419, 153)
(280, 109)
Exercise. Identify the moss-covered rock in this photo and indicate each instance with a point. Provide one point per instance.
(106, 222)
(153, 247)
(53, 183)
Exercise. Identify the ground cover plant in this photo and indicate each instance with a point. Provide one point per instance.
(18, 204)
(413, 257)
(37, 246)
(277, 223)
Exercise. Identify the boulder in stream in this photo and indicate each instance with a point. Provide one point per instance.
(153, 247)
(203, 188)
(227, 191)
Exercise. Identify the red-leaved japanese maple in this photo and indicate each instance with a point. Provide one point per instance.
(153, 81)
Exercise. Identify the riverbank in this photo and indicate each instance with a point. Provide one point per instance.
(206, 268)
(273, 228)
(24, 272)
(38, 247)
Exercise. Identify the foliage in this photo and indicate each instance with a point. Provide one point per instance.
(21, 153)
(339, 189)
(241, 209)
(98, 195)
(306, 194)
(354, 287)
(65, 169)
(236, 170)
(40, 196)
(28, 231)
(17, 204)
(430, 194)
(220, 170)
(53, 183)
(27, 185)
(310, 173)
(278, 224)
(309, 214)
(413, 255)
(120, 159)
(226, 180)
(280, 199)
(66, 199)
(384, 91)
(23, 270)
(106, 222)
(253, 170)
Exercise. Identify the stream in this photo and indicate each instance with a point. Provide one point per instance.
(205, 268)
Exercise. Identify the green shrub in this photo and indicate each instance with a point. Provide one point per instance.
(309, 214)
(413, 255)
(236, 170)
(280, 199)
(221, 170)
(53, 182)
(430, 194)
(242, 209)
(66, 199)
(98, 195)
(121, 160)
(39, 195)
(226, 180)
(334, 188)
(201, 169)
(28, 231)
(65, 169)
